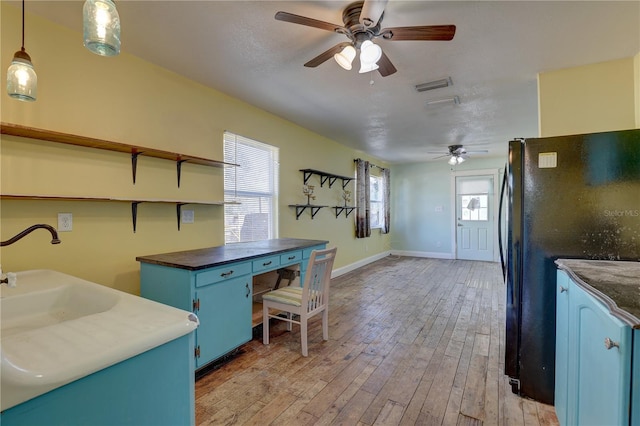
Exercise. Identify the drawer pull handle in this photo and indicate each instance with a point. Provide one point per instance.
(248, 291)
(610, 344)
(266, 263)
(291, 257)
(563, 289)
(226, 274)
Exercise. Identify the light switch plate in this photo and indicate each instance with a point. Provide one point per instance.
(187, 216)
(65, 222)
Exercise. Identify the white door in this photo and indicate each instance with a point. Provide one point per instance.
(475, 217)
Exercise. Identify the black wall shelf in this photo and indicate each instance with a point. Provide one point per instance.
(324, 177)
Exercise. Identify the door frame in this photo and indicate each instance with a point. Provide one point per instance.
(495, 173)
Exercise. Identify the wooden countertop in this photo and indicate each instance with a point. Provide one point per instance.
(614, 283)
(197, 259)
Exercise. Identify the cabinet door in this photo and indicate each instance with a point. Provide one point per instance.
(601, 385)
(562, 346)
(225, 318)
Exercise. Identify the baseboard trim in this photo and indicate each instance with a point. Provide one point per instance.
(352, 267)
(433, 255)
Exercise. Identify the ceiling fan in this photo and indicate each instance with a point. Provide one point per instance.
(458, 154)
(362, 24)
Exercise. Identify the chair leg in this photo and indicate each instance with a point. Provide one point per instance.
(325, 324)
(303, 335)
(265, 324)
(289, 316)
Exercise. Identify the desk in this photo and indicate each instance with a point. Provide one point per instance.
(216, 283)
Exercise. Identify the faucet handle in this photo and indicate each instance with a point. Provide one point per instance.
(12, 279)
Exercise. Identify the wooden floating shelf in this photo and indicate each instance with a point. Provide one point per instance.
(324, 177)
(87, 142)
(134, 202)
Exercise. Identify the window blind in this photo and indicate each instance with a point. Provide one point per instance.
(250, 190)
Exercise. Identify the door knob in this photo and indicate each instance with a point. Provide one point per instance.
(460, 224)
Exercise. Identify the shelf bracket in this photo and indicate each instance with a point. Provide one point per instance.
(314, 210)
(347, 210)
(134, 214)
(345, 182)
(134, 164)
(179, 211)
(179, 167)
(323, 179)
(306, 176)
(299, 211)
(332, 180)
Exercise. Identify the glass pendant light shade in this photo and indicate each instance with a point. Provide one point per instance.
(101, 24)
(452, 161)
(346, 57)
(22, 81)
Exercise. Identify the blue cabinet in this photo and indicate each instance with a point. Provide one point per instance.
(224, 310)
(562, 346)
(220, 296)
(593, 360)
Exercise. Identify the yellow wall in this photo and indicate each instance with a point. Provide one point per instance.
(591, 98)
(126, 99)
(636, 73)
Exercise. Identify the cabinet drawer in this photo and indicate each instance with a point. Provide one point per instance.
(291, 257)
(266, 263)
(222, 273)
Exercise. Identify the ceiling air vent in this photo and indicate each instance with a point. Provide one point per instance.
(436, 84)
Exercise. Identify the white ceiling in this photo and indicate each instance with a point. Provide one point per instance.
(237, 47)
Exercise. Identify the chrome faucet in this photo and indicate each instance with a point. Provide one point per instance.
(54, 234)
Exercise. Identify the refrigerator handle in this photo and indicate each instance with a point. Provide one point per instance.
(500, 207)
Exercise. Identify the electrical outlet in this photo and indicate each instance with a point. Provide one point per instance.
(65, 222)
(187, 216)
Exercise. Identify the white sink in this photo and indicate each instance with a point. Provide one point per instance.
(56, 328)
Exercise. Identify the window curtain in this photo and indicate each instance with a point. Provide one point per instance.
(363, 219)
(386, 180)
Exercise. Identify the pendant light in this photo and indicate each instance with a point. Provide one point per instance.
(101, 24)
(22, 81)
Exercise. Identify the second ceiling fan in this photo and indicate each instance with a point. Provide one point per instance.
(362, 24)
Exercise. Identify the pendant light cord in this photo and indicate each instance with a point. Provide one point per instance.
(22, 25)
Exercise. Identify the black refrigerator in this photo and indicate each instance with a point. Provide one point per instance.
(572, 197)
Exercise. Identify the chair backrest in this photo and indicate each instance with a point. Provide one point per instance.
(315, 292)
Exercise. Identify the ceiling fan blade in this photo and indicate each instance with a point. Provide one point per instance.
(371, 12)
(328, 54)
(309, 22)
(480, 151)
(427, 32)
(385, 67)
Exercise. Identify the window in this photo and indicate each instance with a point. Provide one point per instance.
(251, 189)
(376, 201)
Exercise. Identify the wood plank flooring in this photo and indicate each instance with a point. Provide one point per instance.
(412, 341)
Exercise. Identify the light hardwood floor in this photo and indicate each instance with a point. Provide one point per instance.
(411, 341)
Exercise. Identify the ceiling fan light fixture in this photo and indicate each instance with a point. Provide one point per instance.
(435, 84)
(101, 27)
(370, 53)
(346, 57)
(452, 161)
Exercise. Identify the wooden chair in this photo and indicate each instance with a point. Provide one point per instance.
(306, 301)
